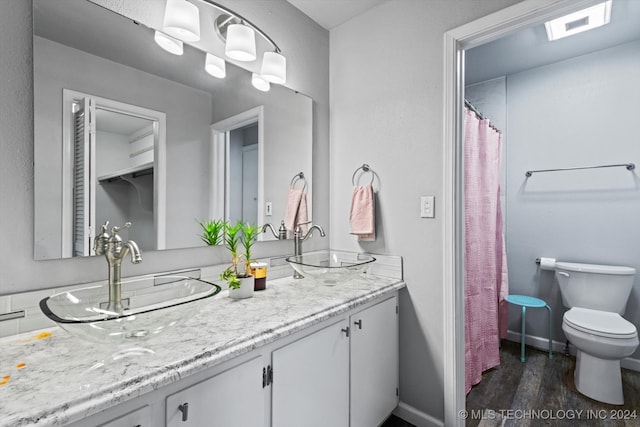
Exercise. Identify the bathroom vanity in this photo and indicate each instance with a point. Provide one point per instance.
(295, 354)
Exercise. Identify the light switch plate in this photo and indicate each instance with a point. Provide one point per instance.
(269, 209)
(427, 208)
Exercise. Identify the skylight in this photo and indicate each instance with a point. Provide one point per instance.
(577, 22)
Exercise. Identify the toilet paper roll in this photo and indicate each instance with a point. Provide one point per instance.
(547, 263)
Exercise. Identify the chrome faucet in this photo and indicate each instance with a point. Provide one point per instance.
(112, 247)
(282, 231)
(298, 237)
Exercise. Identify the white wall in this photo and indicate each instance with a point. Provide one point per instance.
(307, 48)
(579, 112)
(387, 111)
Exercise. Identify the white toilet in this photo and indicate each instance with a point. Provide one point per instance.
(596, 296)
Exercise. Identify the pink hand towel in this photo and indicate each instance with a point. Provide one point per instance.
(362, 216)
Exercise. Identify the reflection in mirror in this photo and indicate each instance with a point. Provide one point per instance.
(170, 144)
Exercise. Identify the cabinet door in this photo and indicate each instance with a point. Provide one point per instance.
(311, 380)
(138, 418)
(374, 364)
(233, 398)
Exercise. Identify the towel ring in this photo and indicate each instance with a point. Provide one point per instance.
(365, 168)
(299, 177)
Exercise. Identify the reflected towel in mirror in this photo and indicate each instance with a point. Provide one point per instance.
(296, 212)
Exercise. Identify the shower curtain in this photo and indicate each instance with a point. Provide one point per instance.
(486, 282)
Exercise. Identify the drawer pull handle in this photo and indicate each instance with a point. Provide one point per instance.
(184, 408)
(346, 331)
(358, 323)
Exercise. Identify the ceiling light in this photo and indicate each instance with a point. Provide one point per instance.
(274, 68)
(577, 22)
(168, 43)
(241, 43)
(182, 20)
(259, 83)
(215, 66)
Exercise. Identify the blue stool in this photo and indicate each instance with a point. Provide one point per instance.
(527, 301)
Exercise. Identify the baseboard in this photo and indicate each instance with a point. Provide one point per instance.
(415, 416)
(558, 346)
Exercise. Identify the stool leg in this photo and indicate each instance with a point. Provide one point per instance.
(550, 337)
(524, 315)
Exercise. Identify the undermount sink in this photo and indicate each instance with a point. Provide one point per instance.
(330, 267)
(150, 307)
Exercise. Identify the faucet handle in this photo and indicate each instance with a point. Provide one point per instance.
(116, 229)
(101, 239)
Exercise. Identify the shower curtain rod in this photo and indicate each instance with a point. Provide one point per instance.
(479, 115)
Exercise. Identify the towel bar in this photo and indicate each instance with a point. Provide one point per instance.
(365, 168)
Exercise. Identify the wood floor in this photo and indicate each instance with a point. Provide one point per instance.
(541, 392)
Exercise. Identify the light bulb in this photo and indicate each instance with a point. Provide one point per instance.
(259, 83)
(182, 20)
(274, 68)
(215, 66)
(241, 43)
(168, 43)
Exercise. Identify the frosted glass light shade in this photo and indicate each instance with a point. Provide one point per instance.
(182, 20)
(168, 43)
(215, 66)
(274, 68)
(241, 43)
(259, 83)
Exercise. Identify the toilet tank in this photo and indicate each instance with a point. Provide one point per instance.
(599, 287)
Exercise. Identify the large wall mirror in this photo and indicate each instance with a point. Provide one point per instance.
(125, 131)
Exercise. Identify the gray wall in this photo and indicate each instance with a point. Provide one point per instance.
(578, 112)
(307, 48)
(386, 110)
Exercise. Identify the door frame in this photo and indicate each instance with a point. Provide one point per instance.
(456, 41)
(219, 161)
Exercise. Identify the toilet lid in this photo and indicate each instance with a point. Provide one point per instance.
(602, 323)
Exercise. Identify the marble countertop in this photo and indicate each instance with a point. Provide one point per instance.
(51, 378)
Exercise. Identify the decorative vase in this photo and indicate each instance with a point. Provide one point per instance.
(245, 290)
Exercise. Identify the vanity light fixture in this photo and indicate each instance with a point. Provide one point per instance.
(274, 67)
(182, 20)
(241, 42)
(259, 82)
(168, 43)
(215, 66)
(577, 22)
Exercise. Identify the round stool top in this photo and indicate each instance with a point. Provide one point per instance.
(525, 300)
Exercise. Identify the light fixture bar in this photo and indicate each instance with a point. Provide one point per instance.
(246, 22)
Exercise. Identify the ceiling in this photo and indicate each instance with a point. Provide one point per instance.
(331, 13)
(530, 48)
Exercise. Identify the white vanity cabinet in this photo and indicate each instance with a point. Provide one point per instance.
(374, 363)
(232, 398)
(311, 380)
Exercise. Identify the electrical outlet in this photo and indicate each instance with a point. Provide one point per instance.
(427, 208)
(269, 210)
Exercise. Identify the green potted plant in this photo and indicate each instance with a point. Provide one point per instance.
(212, 231)
(239, 237)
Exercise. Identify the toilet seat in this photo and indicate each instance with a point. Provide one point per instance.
(600, 323)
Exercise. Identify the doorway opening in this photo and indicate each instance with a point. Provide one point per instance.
(476, 33)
